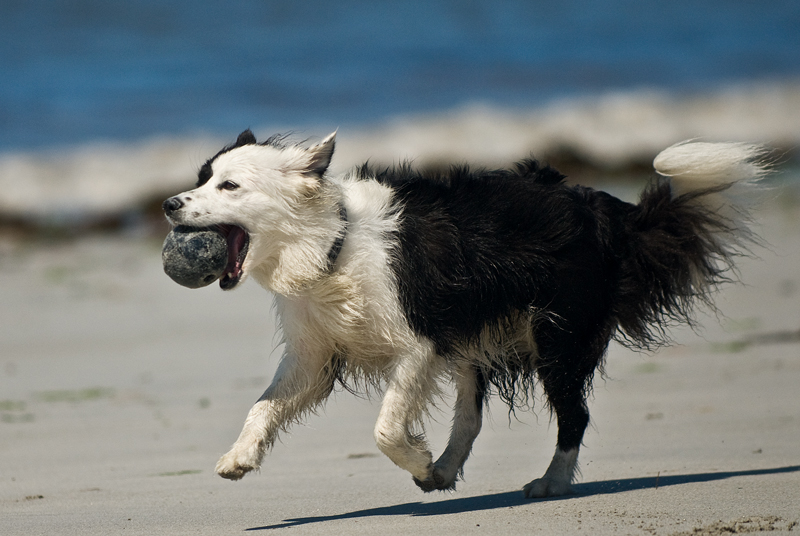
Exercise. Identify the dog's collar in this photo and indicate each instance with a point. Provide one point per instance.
(336, 248)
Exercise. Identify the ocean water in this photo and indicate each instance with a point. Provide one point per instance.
(78, 70)
(94, 92)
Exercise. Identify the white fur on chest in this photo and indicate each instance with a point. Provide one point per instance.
(355, 310)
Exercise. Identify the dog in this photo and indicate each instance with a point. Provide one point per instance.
(496, 280)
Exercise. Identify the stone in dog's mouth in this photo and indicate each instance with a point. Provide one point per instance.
(238, 242)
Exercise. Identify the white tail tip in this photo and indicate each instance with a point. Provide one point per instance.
(708, 164)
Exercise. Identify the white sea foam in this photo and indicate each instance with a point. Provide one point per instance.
(610, 130)
(95, 179)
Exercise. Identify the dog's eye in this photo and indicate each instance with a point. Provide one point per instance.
(228, 185)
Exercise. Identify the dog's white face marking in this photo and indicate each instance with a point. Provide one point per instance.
(268, 191)
(248, 185)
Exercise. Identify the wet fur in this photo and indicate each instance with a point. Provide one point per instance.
(495, 280)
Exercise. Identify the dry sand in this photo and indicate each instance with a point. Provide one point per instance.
(119, 390)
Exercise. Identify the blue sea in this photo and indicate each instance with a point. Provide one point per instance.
(108, 104)
(75, 71)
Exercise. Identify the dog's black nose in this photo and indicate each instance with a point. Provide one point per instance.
(172, 204)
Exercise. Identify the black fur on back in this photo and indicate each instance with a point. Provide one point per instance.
(477, 250)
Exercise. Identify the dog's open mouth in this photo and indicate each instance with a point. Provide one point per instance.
(238, 243)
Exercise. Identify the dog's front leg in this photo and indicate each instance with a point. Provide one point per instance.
(408, 392)
(470, 392)
(294, 390)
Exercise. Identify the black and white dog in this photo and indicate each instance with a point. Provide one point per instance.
(489, 279)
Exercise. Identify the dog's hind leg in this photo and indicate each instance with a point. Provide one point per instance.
(411, 384)
(573, 417)
(470, 392)
(564, 381)
(294, 390)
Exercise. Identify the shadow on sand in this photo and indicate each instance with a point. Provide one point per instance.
(515, 498)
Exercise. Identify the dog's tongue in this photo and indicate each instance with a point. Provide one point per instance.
(237, 251)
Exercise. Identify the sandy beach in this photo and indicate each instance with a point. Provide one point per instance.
(119, 390)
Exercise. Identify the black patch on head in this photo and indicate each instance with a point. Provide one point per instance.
(245, 138)
(205, 173)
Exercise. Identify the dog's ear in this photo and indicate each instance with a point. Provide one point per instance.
(320, 156)
(245, 138)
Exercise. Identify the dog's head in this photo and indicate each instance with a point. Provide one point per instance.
(254, 193)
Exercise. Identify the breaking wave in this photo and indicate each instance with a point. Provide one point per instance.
(613, 131)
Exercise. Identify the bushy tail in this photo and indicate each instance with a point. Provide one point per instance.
(684, 235)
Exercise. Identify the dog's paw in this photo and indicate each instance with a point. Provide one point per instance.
(234, 466)
(546, 487)
(436, 481)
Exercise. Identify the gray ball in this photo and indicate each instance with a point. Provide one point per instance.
(194, 257)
